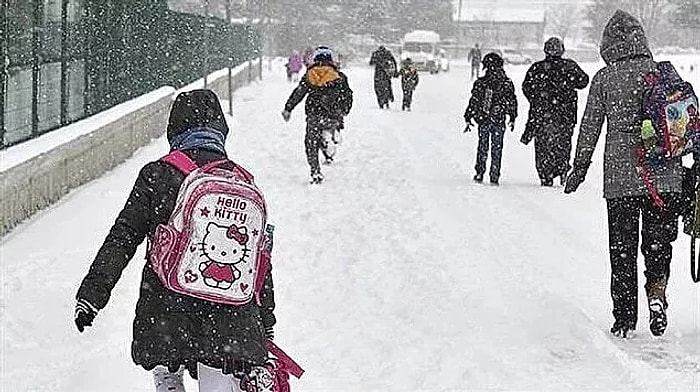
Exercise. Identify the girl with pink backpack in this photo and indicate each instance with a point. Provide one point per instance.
(206, 302)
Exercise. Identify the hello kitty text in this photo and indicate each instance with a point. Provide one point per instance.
(231, 208)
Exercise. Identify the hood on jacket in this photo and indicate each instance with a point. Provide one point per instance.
(322, 74)
(196, 109)
(623, 38)
(492, 62)
(554, 47)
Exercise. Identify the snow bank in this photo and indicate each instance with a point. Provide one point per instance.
(39, 172)
(22, 152)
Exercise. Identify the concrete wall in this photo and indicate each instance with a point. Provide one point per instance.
(241, 76)
(43, 179)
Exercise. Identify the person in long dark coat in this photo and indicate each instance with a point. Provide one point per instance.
(173, 331)
(474, 57)
(550, 85)
(385, 68)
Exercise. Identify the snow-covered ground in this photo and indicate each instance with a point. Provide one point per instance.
(397, 274)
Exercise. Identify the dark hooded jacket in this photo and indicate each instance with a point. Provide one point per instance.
(329, 95)
(492, 99)
(172, 329)
(616, 95)
(550, 86)
(409, 76)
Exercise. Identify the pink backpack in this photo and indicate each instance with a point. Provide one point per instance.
(217, 244)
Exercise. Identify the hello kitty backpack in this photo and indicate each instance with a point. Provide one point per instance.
(217, 244)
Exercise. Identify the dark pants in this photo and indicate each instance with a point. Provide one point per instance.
(314, 140)
(407, 98)
(659, 230)
(490, 135)
(553, 150)
(384, 91)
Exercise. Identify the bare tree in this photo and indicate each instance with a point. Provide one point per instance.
(564, 20)
(653, 14)
(687, 13)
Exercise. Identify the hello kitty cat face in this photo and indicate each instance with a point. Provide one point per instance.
(225, 245)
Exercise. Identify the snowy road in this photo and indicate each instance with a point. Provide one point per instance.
(398, 273)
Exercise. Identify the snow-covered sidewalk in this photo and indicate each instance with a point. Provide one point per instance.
(398, 273)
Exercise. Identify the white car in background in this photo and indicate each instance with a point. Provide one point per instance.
(515, 57)
(421, 47)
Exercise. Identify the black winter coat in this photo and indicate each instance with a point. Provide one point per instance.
(492, 99)
(171, 329)
(550, 86)
(329, 95)
(409, 77)
(384, 65)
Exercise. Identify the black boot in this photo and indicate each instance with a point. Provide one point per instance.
(478, 177)
(623, 329)
(316, 177)
(656, 294)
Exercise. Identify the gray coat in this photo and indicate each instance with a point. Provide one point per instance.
(616, 96)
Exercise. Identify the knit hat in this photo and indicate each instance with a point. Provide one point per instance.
(323, 54)
(554, 47)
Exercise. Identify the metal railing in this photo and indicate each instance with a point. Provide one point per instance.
(64, 60)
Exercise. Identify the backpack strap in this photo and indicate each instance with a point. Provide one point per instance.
(186, 165)
(247, 177)
(646, 178)
(285, 360)
(180, 161)
(246, 174)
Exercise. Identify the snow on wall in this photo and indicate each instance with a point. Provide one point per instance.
(22, 152)
(39, 172)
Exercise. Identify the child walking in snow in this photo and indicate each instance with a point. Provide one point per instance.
(172, 331)
(329, 100)
(409, 81)
(493, 98)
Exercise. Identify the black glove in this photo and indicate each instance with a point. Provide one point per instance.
(85, 313)
(511, 125)
(468, 128)
(286, 115)
(269, 333)
(575, 178)
(524, 139)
